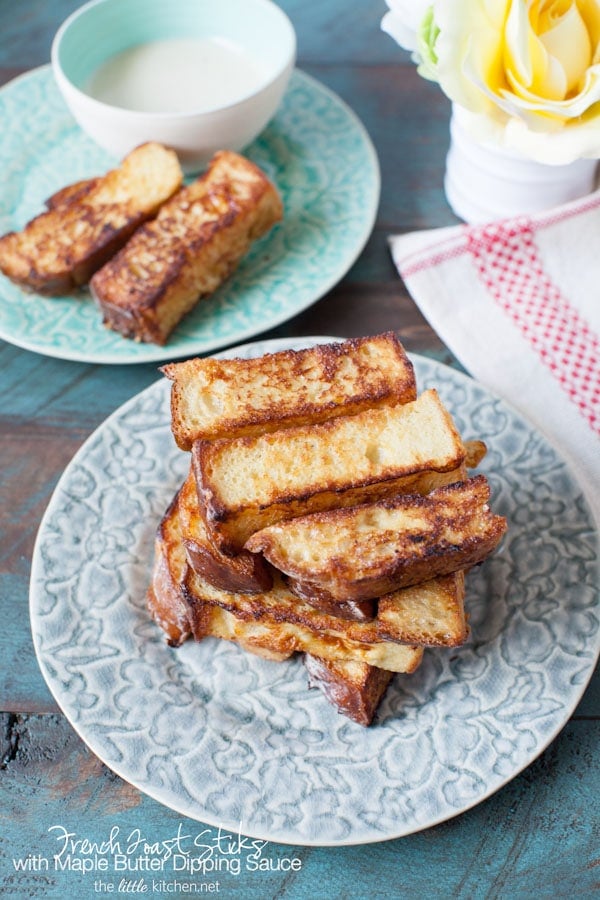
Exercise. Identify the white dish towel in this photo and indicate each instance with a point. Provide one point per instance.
(518, 303)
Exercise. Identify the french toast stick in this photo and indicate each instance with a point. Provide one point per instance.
(254, 637)
(222, 398)
(362, 552)
(431, 616)
(432, 612)
(86, 224)
(196, 241)
(210, 612)
(169, 610)
(277, 625)
(354, 688)
(287, 625)
(295, 626)
(247, 483)
(245, 572)
(164, 597)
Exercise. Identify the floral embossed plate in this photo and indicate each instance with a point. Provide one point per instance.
(315, 150)
(239, 742)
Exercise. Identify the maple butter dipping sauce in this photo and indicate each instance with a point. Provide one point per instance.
(195, 76)
(176, 75)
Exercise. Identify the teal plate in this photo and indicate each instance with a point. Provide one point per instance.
(315, 150)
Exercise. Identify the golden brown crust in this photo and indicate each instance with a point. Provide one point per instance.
(231, 529)
(355, 610)
(193, 245)
(475, 452)
(213, 398)
(87, 223)
(363, 552)
(246, 572)
(168, 608)
(165, 599)
(71, 193)
(355, 689)
(213, 621)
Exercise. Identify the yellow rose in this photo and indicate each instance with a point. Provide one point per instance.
(527, 72)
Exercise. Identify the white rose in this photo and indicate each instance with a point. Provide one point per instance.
(403, 21)
(529, 73)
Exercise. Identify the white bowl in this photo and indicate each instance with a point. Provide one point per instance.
(258, 46)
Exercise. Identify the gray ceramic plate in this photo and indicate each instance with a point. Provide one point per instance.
(315, 150)
(239, 742)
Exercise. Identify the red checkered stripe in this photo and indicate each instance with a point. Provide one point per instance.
(510, 266)
(414, 263)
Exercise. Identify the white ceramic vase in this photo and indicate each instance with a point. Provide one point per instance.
(484, 182)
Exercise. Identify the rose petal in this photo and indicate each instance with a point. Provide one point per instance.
(403, 36)
(568, 42)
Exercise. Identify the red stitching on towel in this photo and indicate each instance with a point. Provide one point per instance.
(454, 247)
(562, 213)
(510, 266)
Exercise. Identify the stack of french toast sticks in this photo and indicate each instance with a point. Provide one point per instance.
(327, 511)
(149, 247)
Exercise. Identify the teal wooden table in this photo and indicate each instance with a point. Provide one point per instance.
(537, 836)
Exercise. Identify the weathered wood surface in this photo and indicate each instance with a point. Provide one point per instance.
(534, 839)
(538, 836)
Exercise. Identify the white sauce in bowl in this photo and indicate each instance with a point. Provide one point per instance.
(176, 75)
